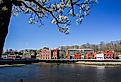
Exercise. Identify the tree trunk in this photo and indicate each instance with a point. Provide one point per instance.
(5, 14)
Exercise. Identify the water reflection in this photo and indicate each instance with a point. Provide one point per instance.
(100, 74)
(60, 73)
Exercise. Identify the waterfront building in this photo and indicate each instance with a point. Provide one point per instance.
(77, 56)
(83, 52)
(109, 55)
(91, 55)
(38, 56)
(55, 54)
(119, 56)
(52, 54)
(45, 53)
(4, 56)
(26, 54)
(33, 53)
(100, 56)
(62, 54)
(13, 56)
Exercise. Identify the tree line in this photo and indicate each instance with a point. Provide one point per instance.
(102, 46)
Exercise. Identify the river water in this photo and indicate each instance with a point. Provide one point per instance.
(60, 73)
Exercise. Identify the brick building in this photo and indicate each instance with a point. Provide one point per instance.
(72, 53)
(77, 56)
(91, 55)
(55, 54)
(45, 53)
(109, 55)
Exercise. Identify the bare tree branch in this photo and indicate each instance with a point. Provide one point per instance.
(57, 11)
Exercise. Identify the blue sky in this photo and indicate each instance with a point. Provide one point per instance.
(103, 24)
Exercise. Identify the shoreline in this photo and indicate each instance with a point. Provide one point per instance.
(19, 63)
(106, 64)
(99, 63)
(12, 65)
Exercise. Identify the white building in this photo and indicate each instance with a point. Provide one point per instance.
(119, 56)
(100, 56)
(4, 56)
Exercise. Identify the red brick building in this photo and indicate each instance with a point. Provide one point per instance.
(91, 55)
(109, 55)
(72, 53)
(55, 54)
(77, 56)
(45, 53)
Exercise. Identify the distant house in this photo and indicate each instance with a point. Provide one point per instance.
(26, 54)
(4, 56)
(45, 53)
(38, 56)
(119, 56)
(62, 54)
(55, 54)
(109, 55)
(33, 53)
(77, 56)
(13, 56)
(100, 56)
(91, 55)
(71, 53)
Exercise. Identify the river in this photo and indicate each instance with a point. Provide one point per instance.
(45, 72)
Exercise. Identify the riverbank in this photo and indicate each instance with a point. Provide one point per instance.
(98, 63)
(17, 61)
(21, 62)
(13, 65)
(82, 63)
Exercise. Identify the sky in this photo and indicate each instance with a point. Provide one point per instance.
(103, 24)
